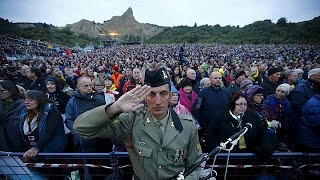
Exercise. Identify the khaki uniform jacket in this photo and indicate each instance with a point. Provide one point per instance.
(150, 158)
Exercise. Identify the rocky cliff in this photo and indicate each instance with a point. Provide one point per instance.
(122, 25)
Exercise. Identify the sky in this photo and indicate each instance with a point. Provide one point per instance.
(160, 12)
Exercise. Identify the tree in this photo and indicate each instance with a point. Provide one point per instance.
(282, 21)
(195, 25)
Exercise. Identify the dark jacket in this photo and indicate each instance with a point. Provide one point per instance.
(210, 103)
(60, 99)
(220, 129)
(49, 135)
(269, 87)
(309, 127)
(281, 111)
(301, 94)
(77, 105)
(37, 85)
(10, 138)
(24, 82)
(232, 89)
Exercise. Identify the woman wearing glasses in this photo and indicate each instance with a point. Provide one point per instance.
(233, 121)
(41, 125)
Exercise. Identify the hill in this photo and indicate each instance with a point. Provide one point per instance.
(45, 32)
(257, 32)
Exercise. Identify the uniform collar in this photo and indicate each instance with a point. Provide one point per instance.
(163, 121)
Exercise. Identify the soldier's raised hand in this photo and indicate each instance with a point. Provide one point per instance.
(133, 99)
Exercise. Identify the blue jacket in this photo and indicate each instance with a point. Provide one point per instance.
(309, 126)
(51, 135)
(301, 94)
(209, 104)
(79, 104)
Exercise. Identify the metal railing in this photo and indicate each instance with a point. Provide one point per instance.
(60, 165)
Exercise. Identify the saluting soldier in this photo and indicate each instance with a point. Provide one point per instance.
(160, 143)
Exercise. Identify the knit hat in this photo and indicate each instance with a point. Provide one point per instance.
(273, 71)
(185, 82)
(313, 72)
(255, 89)
(285, 87)
(238, 74)
(246, 83)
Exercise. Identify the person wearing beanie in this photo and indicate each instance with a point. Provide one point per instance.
(187, 95)
(279, 110)
(234, 86)
(191, 76)
(245, 84)
(177, 106)
(272, 82)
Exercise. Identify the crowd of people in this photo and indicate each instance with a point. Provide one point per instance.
(221, 87)
(13, 45)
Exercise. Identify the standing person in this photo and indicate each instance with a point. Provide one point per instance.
(187, 95)
(41, 125)
(84, 100)
(301, 94)
(191, 76)
(160, 143)
(133, 81)
(23, 80)
(308, 131)
(211, 102)
(232, 121)
(116, 76)
(278, 111)
(56, 95)
(272, 82)
(234, 86)
(36, 83)
(11, 104)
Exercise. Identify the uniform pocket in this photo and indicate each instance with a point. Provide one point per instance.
(144, 152)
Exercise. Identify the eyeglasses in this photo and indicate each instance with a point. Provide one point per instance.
(242, 104)
(30, 100)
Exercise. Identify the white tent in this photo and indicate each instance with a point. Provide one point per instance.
(77, 47)
(90, 47)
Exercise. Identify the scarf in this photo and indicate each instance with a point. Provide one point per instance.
(28, 128)
(184, 100)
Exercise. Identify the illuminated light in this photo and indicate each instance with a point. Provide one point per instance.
(113, 34)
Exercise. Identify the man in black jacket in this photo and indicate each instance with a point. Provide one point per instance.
(270, 84)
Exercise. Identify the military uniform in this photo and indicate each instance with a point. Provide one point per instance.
(150, 158)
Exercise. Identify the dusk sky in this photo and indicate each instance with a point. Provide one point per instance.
(160, 12)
